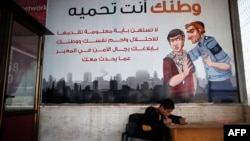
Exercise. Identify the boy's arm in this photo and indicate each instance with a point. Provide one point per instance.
(177, 119)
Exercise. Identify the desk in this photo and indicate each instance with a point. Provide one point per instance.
(208, 131)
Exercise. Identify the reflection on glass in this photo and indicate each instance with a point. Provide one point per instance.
(22, 69)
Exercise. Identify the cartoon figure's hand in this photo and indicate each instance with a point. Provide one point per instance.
(207, 60)
(186, 67)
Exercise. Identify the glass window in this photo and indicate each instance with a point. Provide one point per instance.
(244, 13)
(22, 68)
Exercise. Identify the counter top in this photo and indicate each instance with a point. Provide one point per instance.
(197, 125)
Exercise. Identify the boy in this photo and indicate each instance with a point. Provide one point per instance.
(156, 119)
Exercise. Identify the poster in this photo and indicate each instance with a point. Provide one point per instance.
(112, 51)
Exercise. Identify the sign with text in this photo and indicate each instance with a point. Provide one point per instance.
(36, 8)
(112, 51)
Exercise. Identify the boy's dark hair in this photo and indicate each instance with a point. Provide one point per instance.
(167, 104)
(174, 33)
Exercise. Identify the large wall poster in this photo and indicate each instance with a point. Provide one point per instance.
(112, 51)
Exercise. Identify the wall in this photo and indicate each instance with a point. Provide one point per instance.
(107, 122)
(247, 113)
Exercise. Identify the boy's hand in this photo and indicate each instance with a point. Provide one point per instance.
(182, 120)
(167, 121)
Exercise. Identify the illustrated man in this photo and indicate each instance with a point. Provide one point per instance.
(178, 69)
(216, 62)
